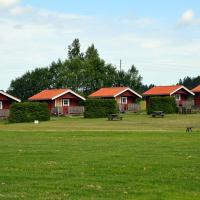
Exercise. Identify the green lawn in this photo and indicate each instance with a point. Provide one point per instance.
(75, 158)
(130, 122)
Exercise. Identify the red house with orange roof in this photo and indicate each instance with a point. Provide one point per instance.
(126, 98)
(196, 91)
(181, 93)
(60, 101)
(5, 102)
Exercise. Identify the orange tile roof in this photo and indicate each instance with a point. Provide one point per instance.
(162, 90)
(48, 94)
(108, 92)
(196, 89)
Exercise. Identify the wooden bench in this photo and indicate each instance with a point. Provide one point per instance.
(158, 114)
(112, 117)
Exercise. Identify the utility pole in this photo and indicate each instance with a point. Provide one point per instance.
(120, 70)
(120, 65)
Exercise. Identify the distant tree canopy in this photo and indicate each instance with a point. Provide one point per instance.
(190, 82)
(82, 72)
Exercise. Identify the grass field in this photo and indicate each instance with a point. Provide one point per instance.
(73, 158)
(130, 122)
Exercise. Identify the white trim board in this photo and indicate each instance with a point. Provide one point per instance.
(9, 96)
(128, 89)
(182, 87)
(67, 91)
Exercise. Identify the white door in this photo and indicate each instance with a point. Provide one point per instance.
(1, 105)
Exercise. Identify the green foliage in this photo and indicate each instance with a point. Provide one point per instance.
(28, 112)
(190, 82)
(165, 104)
(30, 83)
(97, 108)
(74, 49)
(82, 72)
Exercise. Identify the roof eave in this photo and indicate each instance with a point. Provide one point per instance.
(67, 91)
(182, 87)
(10, 96)
(128, 89)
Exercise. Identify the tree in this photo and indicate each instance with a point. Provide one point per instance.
(74, 50)
(135, 79)
(190, 82)
(131, 78)
(30, 83)
(57, 73)
(94, 68)
(82, 72)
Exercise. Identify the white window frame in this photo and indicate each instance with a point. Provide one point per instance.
(122, 100)
(1, 105)
(68, 102)
(178, 97)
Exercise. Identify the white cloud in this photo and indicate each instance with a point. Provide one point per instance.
(19, 10)
(188, 17)
(32, 37)
(8, 3)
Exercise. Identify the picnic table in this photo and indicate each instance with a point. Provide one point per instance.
(158, 114)
(112, 117)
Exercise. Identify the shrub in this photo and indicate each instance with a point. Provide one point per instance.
(165, 104)
(97, 108)
(28, 112)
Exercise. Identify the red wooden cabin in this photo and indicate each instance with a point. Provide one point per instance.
(196, 91)
(126, 98)
(60, 101)
(5, 101)
(181, 93)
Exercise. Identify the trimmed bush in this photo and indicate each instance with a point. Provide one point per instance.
(28, 112)
(97, 108)
(165, 104)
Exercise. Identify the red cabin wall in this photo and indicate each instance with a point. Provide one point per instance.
(6, 104)
(197, 99)
(131, 98)
(74, 101)
(6, 101)
(2, 97)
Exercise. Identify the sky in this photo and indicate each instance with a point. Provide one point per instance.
(161, 38)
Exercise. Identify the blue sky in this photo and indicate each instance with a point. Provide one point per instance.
(161, 38)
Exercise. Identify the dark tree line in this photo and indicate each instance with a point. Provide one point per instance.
(190, 82)
(82, 72)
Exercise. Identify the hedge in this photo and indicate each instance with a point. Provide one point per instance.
(28, 112)
(165, 104)
(97, 108)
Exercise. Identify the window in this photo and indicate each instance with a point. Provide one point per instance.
(1, 105)
(123, 100)
(65, 102)
(178, 97)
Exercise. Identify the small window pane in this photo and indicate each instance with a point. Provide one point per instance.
(65, 102)
(123, 100)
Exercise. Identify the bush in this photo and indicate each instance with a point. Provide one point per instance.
(165, 104)
(97, 108)
(28, 112)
